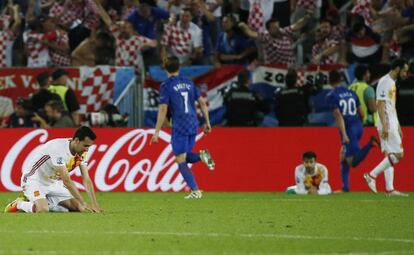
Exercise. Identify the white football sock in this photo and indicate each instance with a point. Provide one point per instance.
(385, 163)
(389, 178)
(25, 206)
(58, 208)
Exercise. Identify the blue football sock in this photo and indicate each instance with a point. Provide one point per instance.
(361, 154)
(192, 157)
(188, 175)
(345, 176)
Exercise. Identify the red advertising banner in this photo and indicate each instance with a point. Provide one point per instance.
(247, 159)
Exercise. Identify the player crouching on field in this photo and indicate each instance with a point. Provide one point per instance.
(311, 177)
(47, 185)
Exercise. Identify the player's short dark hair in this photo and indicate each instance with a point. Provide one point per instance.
(82, 132)
(58, 73)
(243, 78)
(360, 71)
(399, 62)
(172, 64)
(309, 155)
(43, 79)
(291, 78)
(56, 105)
(326, 21)
(334, 77)
(186, 9)
(270, 21)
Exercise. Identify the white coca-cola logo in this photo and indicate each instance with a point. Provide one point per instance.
(159, 174)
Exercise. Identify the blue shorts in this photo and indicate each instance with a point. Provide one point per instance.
(182, 143)
(354, 133)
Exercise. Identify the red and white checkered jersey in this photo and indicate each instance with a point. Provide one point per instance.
(37, 52)
(278, 50)
(70, 11)
(180, 42)
(6, 47)
(128, 51)
(308, 5)
(323, 45)
(256, 17)
(362, 8)
(56, 10)
(59, 57)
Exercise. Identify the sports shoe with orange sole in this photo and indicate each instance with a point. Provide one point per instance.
(12, 207)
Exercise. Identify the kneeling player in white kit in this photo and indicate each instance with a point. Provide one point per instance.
(47, 184)
(389, 128)
(311, 177)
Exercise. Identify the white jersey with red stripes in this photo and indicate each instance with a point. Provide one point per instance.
(47, 158)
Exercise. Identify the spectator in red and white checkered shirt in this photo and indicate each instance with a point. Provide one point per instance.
(78, 16)
(183, 39)
(326, 50)
(58, 42)
(277, 42)
(36, 49)
(83, 10)
(8, 35)
(128, 43)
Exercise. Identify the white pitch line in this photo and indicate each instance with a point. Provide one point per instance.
(70, 252)
(219, 235)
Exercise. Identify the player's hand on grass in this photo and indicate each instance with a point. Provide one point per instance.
(96, 209)
(83, 207)
(207, 128)
(313, 190)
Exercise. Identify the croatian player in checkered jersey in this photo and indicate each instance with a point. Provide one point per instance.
(47, 185)
(388, 128)
(179, 95)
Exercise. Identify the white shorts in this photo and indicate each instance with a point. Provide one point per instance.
(393, 144)
(54, 193)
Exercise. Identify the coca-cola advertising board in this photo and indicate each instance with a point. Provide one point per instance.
(247, 159)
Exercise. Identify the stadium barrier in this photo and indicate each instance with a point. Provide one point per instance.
(247, 159)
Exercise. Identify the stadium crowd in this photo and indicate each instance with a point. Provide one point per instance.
(61, 33)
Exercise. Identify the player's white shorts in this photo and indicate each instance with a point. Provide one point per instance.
(54, 193)
(393, 144)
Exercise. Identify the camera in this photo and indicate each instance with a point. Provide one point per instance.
(103, 119)
(109, 116)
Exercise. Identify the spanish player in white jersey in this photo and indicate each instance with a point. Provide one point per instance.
(311, 177)
(388, 128)
(47, 184)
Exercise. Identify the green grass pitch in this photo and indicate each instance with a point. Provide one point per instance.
(220, 223)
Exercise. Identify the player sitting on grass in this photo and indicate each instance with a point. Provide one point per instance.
(47, 185)
(311, 177)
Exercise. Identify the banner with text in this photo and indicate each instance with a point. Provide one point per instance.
(215, 83)
(247, 159)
